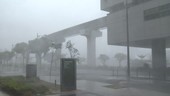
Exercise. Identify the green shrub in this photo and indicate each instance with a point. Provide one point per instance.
(19, 86)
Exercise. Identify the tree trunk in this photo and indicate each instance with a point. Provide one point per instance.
(51, 64)
(27, 57)
(104, 63)
(118, 68)
(38, 58)
(38, 62)
(113, 70)
(16, 62)
(71, 56)
(23, 58)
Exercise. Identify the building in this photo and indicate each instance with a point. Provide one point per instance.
(148, 27)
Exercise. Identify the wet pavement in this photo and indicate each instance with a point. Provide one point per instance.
(3, 94)
(95, 88)
(76, 93)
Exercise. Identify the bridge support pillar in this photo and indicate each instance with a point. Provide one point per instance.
(91, 46)
(159, 59)
(58, 54)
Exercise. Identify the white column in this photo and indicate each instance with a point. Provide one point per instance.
(91, 50)
(57, 56)
(91, 46)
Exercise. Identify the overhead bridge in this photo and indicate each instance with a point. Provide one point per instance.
(79, 29)
(91, 30)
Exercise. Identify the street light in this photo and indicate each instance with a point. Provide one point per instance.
(127, 31)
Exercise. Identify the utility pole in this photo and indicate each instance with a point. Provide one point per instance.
(127, 31)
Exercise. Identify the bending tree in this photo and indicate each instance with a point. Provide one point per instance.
(21, 48)
(40, 47)
(74, 53)
(6, 56)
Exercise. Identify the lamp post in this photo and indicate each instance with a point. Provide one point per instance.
(127, 32)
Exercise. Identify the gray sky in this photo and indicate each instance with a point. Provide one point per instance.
(21, 20)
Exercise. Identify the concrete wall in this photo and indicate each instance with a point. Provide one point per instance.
(116, 27)
(107, 4)
(139, 29)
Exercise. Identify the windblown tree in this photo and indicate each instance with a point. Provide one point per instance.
(2, 57)
(21, 48)
(120, 57)
(55, 55)
(63, 55)
(103, 58)
(57, 51)
(74, 53)
(1, 61)
(6, 56)
(47, 57)
(39, 47)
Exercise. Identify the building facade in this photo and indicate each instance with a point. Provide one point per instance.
(148, 27)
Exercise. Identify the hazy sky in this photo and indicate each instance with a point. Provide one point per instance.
(21, 20)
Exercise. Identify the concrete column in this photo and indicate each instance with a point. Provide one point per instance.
(159, 59)
(56, 60)
(58, 54)
(91, 46)
(91, 50)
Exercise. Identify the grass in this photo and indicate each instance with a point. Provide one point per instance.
(20, 86)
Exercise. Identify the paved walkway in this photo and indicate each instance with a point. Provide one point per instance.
(100, 88)
(3, 94)
(94, 88)
(76, 93)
